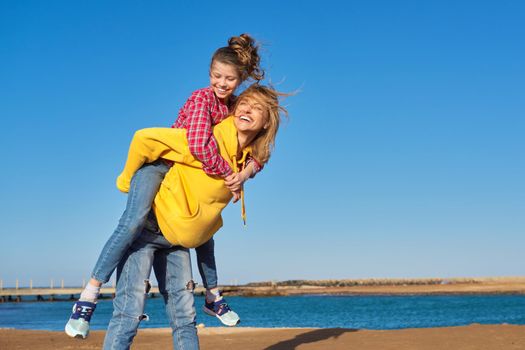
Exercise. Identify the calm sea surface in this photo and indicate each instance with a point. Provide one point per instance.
(370, 312)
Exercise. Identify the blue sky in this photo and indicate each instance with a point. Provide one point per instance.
(402, 156)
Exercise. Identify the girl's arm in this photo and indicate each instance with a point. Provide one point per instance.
(256, 166)
(201, 141)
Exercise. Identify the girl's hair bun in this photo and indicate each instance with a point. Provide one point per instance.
(242, 52)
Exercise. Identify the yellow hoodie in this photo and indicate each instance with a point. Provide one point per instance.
(189, 203)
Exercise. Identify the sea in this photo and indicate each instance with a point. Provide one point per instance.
(324, 311)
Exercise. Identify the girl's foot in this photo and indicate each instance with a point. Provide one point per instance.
(220, 309)
(78, 324)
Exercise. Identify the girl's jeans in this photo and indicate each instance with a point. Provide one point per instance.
(143, 189)
(172, 268)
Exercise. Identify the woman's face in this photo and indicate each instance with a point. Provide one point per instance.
(224, 79)
(251, 114)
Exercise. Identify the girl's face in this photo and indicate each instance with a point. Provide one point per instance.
(251, 114)
(224, 79)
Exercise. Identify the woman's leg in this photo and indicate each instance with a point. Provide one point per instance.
(132, 287)
(173, 271)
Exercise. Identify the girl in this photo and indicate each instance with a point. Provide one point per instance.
(230, 66)
(188, 209)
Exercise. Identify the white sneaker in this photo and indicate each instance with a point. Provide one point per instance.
(222, 311)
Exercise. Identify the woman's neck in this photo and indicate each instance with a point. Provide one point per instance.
(244, 139)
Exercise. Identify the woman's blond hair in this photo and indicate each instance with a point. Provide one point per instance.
(263, 144)
(242, 52)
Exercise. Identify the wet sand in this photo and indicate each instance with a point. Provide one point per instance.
(473, 337)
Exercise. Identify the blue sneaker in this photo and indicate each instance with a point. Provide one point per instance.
(78, 324)
(222, 311)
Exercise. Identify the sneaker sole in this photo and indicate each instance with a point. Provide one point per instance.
(73, 334)
(208, 311)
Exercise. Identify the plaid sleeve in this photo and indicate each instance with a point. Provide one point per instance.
(257, 167)
(201, 141)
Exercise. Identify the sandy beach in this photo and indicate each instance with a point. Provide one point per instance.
(473, 337)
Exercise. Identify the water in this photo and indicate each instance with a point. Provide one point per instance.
(358, 312)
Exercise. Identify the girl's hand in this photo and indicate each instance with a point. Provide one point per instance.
(236, 196)
(235, 181)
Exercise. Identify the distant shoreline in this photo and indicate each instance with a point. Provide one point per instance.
(429, 286)
(392, 287)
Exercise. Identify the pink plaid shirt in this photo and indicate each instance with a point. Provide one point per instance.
(200, 112)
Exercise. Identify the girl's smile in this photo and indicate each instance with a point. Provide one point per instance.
(224, 79)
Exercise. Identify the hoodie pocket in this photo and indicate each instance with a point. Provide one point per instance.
(193, 230)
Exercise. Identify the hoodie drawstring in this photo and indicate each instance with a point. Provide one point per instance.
(243, 207)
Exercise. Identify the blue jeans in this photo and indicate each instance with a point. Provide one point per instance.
(142, 191)
(206, 264)
(173, 271)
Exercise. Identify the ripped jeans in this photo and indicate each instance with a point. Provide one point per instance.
(173, 271)
(144, 186)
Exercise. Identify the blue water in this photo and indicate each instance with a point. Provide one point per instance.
(358, 312)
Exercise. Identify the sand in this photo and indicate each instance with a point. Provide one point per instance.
(473, 337)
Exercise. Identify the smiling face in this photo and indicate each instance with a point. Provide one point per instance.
(224, 79)
(251, 114)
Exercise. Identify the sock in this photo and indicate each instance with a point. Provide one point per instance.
(90, 293)
(213, 295)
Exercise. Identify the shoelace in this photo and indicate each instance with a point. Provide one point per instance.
(243, 206)
(222, 309)
(84, 312)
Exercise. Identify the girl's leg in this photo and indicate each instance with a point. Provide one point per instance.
(215, 304)
(206, 264)
(144, 187)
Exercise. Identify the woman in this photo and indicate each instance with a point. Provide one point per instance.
(188, 211)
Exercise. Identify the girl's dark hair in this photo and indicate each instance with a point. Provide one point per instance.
(242, 53)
